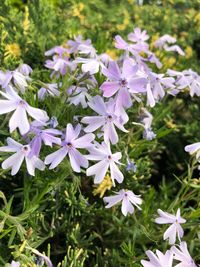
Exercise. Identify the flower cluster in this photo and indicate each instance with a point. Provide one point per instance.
(178, 253)
(132, 78)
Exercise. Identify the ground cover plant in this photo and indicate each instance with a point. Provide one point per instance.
(100, 143)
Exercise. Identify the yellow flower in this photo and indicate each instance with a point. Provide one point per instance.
(76, 11)
(12, 50)
(105, 185)
(188, 52)
(26, 22)
(112, 54)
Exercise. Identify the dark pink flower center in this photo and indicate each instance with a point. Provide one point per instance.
(69, 145)
(123, 82)
(109, 157)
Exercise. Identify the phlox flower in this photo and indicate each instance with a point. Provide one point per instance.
(70, 147)
(138, 35)
(25, 69)
(183, 256)
(156, 87)
(48, 89)
(78, 95)
(186, 78)
(20, 107)
(158, 259)
(92, 65)
(174, 48)
(146, 122)
(194, 149)
(128, 199)
(175, 228)
(60, 65)
(14, 78)
(74, 44)
(106, 119)
(106, 160)
(165, 39)
(131, 166)
(15, 264)
(194, 82)
(120, 81)
(21, 152)
(58, 50)
(48, 136)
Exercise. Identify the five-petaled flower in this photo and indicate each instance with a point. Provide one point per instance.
(175, 228)
(107, 160)
(128, 199)
(20, 107)
(69, 146)
(158, 260)
(21, 152)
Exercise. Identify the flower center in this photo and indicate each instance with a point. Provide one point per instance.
(69, 145)
(22, 103)
(109, 157)
(123, 82)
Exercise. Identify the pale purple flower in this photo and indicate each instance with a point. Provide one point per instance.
(106, 119)
(158, 260)
(138, 35)
(175, 228)
(174, 48)
(128, 199)
(48, 89)
(20, 107)
(78, 95)
(70, 146)
(187, 78)
(91, 65)
(157, 86)
(47, 136)
(194, 82)
(193, 149)
(59, 50)
(165, 39)
(183, 256)
(146, 122)
(15, 264)
(74, 44)
(60, 65)
(15, 78)
(134, 49)
(25, 69)
(121, 81)
(53, 122)
(21, 153)
(106, 160)
(131, 166)
(44, 257)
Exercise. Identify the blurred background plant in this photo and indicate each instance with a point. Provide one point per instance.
(64, 216)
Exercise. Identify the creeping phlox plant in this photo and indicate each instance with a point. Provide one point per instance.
(90, 141)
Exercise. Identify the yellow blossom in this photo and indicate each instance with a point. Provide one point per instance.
(26, 22)
(112, 54)
(12, 50)
(188, 52)
(76, 11)
(105, 185)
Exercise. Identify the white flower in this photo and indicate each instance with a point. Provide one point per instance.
(21, 152)
(128, 199)
(183, 256)
(175, 228)
(20, 107)
(107, 160)
(15, 264)
(161, 260)
(194, 148)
